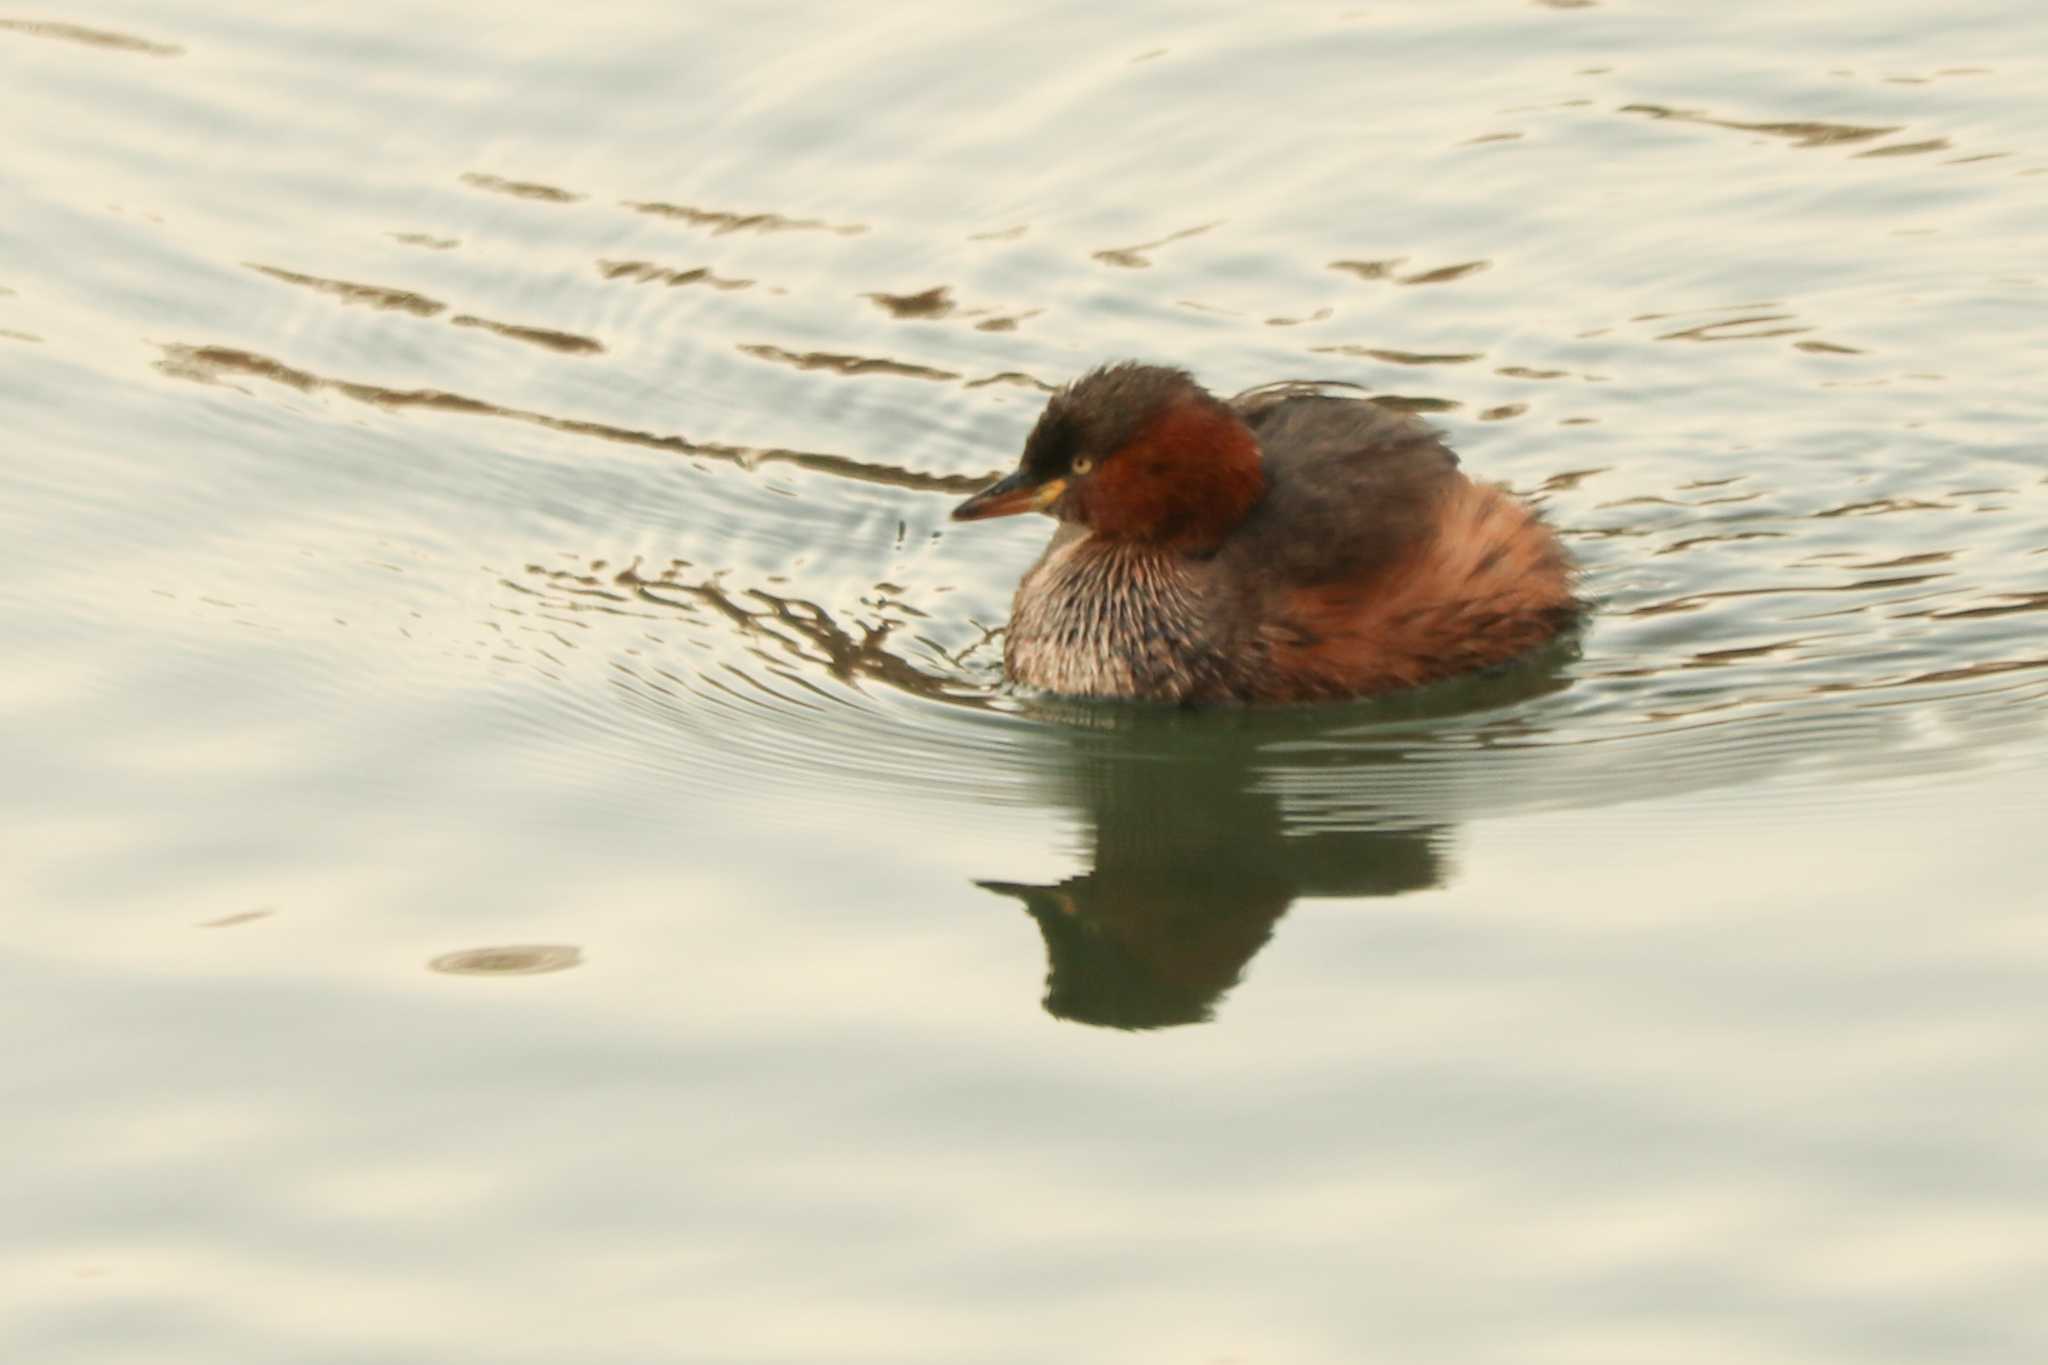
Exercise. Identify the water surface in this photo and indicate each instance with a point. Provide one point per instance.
(518, 847)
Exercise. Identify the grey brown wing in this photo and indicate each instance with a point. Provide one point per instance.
(1350, 485)
(1297, 419)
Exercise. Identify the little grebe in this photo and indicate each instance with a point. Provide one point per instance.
(1285, 546)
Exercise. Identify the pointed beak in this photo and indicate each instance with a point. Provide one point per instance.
(1007, 497)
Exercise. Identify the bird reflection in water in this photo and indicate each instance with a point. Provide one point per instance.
(1194, 860)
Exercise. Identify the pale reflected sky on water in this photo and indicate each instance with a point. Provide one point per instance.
(517, 849)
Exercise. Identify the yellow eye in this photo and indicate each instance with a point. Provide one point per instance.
(1083, 465)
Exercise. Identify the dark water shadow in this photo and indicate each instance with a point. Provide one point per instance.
(1193, 858)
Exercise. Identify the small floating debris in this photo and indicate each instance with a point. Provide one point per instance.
(524, 959)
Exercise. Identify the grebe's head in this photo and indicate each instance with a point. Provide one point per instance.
(1133, 452)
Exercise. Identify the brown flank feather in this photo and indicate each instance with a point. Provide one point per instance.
(1489, 584)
